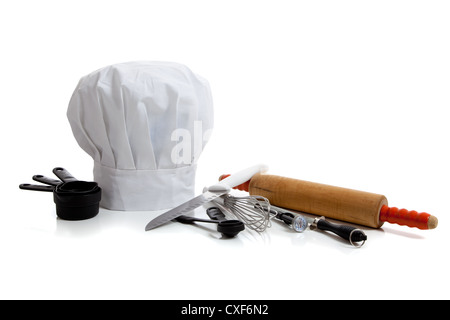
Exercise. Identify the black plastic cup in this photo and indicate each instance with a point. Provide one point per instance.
(74, 199)
(80, 203)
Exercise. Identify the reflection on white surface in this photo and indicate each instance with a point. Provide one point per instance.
(135, 221)
(106, 219)
(114, 252)
(65, 228)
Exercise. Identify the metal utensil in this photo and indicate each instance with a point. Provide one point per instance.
(208, 195)
(299, 223)
(251, 210)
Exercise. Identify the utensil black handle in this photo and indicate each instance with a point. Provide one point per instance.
(341, 230)
(215, 213)
(63, 174)
(35, 187)
(190, 220)
(46, 180)
(185, 219)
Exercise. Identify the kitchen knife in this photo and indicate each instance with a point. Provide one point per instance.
(208, 195)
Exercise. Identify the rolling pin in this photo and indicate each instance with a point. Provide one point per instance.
(364, 208)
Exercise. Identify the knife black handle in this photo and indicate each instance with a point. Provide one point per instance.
(343, 231)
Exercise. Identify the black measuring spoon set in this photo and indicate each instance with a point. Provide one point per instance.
(74, 199)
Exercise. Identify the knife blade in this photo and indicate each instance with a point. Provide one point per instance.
(208, 195)
(184, 208)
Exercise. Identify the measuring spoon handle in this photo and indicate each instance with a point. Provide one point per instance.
(46, 180)
(63, 174)
(189, 220)
(216, 214)
(35, 187)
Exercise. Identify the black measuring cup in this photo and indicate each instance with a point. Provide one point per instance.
(74, 199)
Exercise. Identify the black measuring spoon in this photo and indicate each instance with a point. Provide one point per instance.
(228, 228)
(231, 227)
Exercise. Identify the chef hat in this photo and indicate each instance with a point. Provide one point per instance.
(145, 125)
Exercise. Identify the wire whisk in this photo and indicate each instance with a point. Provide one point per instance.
(253, 211)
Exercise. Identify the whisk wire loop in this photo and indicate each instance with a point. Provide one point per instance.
(253, 211)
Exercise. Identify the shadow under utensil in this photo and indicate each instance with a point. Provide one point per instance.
(402, 233)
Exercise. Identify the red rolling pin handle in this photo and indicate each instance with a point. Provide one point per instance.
(411, 218)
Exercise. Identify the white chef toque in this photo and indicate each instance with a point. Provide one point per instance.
(145, 125)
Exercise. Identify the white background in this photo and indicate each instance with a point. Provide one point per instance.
(347, 93)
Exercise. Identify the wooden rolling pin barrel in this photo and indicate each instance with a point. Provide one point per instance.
(364, 208)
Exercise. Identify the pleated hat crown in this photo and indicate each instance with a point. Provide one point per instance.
(145, 125)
